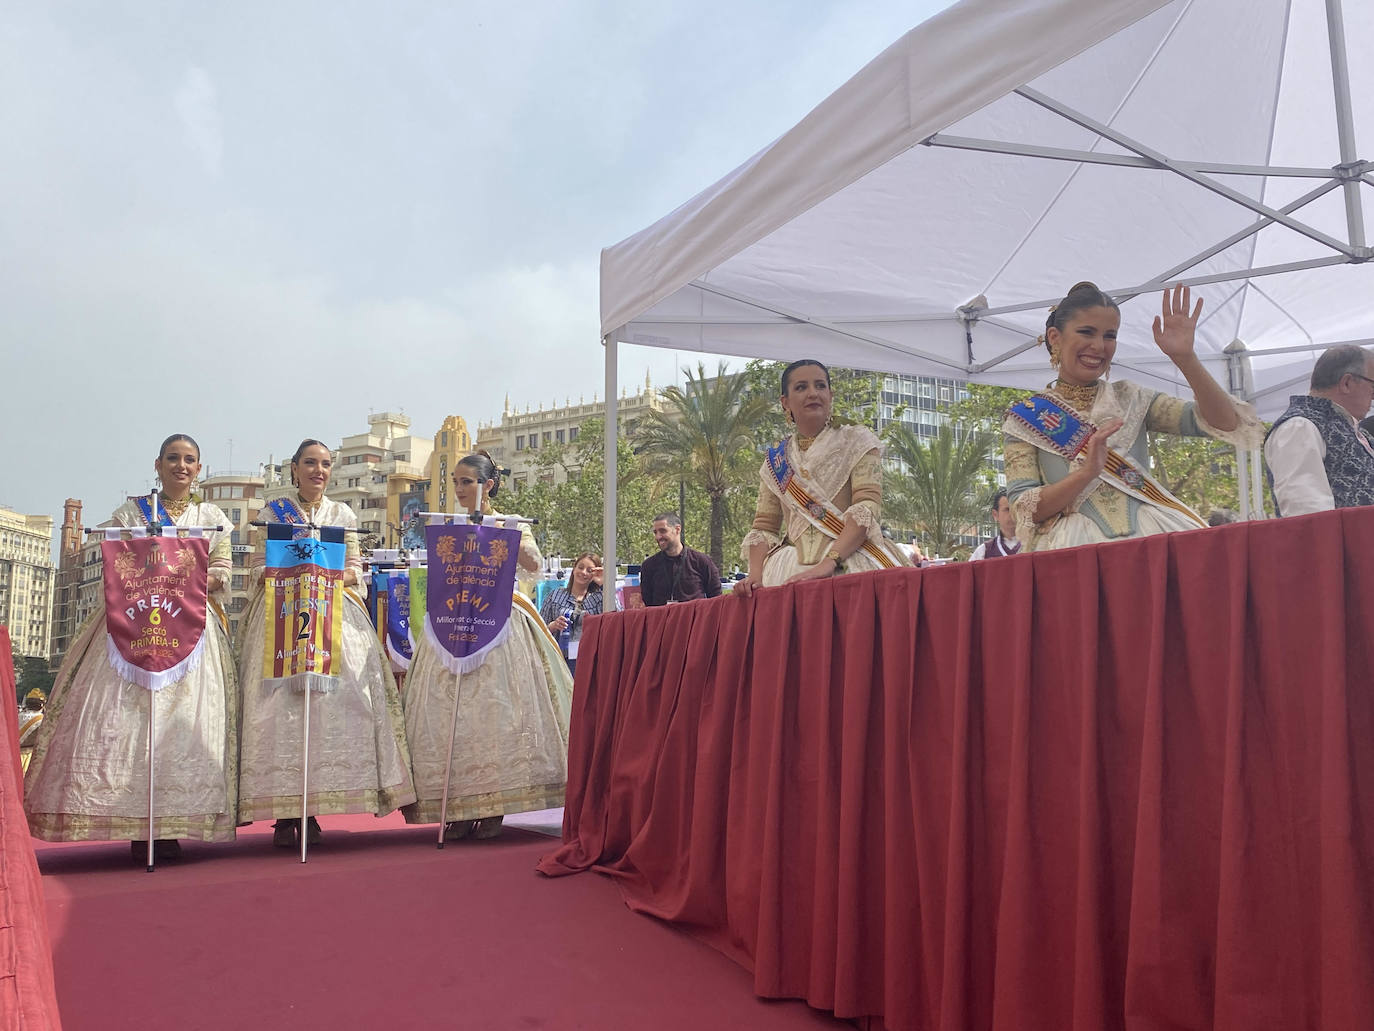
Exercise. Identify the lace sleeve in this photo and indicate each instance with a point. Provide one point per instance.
(866, 494)
(1182, 418)
(1023, 483)
(767, 525)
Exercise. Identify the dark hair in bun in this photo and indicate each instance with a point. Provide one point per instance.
(1080, 297)
(482, 464)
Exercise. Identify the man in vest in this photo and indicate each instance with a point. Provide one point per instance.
(1317, 456)
(1004, 541)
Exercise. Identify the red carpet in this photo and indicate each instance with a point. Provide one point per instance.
(379, 930)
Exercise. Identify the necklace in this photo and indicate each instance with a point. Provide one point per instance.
(1080, 395)
(175, 507)
(310, 506)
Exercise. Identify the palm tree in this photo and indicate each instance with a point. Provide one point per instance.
(942, 489)
(705, 435)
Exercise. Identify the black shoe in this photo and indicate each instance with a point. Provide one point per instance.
(313, 832)
(286, 833)
(166, 848)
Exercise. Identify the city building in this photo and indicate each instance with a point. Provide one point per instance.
(517, 440)
(77, 587)
(240, 496)
(434, 493)
(371, 471)
(27, 579)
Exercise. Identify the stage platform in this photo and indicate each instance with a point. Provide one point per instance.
(378, 930)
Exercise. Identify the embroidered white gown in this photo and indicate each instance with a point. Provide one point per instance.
(358, 757)
(841, 465)
(1102, 512)
(88, 778)
(510, 752)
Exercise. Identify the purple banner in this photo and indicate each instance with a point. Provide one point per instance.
(470, 581)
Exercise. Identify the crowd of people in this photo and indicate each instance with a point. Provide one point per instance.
(1077, 470)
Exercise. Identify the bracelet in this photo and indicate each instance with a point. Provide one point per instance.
(834, 555)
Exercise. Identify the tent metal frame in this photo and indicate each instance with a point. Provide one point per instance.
(1348, 175)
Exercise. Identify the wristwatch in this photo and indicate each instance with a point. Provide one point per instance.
(834, 555)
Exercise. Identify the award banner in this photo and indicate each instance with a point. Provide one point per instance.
(396, 610)
(468, 593)
(303, 581)
(155, 604)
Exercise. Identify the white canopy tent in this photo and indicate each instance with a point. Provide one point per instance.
(923, 218)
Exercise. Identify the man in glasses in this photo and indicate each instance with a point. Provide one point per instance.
(1317, 458)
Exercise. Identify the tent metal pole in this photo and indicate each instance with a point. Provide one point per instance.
(1257, 484)
(1243, 482)
(1247, 232)
(1207, 183)
(1345, 119)
(1221, 277)
(830, 327)
(608, 511)
(1295, 348)
(1091, 157)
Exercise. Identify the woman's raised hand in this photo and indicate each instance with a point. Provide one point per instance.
(1095, 453)
(1175, 327)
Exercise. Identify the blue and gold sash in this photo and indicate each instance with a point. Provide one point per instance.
(1060, 430)
(145, 508)
(819, 513)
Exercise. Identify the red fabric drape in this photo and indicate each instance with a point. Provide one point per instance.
(1122, 786)
(28, 999)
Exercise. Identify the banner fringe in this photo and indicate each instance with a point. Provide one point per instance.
(148, 680)
(320, 683)
(466, 663)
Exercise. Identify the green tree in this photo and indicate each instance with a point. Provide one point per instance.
(945, 486)
(855, 392)
(706, 435)
(570, 512)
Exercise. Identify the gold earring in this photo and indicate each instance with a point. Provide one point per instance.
(1054, 357)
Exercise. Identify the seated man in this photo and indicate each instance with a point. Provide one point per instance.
(1004, 542)
(1316, 455)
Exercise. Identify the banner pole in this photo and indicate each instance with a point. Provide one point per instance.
(152, 719)
(448, 766)
(305, 774)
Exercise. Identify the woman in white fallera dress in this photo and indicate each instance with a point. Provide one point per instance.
(840, 470)
(358, 757)
(510, 751)
(1061, 502)
(88, 778)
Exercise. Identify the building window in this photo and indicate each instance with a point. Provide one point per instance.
(547, 436)
(534, 442)
(443, 439)
(572, 433)
(236, 515)
(560, 436)
(520, 442)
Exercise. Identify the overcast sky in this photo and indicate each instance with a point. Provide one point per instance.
(258, 221)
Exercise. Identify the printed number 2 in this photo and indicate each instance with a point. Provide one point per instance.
(305, 626)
